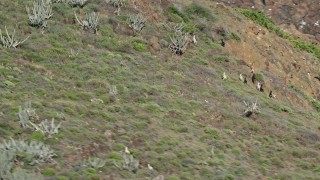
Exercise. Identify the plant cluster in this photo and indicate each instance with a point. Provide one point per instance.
(95, 162)
(10, 41)
(26, 114)
(77, 3)
(136, 22)
(37, 150)
(179, 41)
(117, 3)
(128, 163)
(41, 11)
(47, 128)
(251, 109)
(90, 22)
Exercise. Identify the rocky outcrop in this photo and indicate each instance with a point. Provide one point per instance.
(304, 14)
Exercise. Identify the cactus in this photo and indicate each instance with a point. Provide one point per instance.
(47, 128)
(6, 158)
(10, 41)
(41, 11)
(251, 109)
(113, 90)
(58, 1)
(79, 3)
(129, 163)
(95, 163)
(21, 174)
(38, 150)
(25, 114)
(90, 22)
(116, 3)
(178, 28)
(136, 22)
(179, 43)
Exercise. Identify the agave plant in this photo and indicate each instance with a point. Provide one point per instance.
(95, 162)
(90, 22)
(128, 163)
(47, 128)
(41, 11)
(136, 22)
(179, 43)
(39, 151)
(25, 114)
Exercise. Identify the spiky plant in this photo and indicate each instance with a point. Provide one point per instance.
(47, 128)
(179, 43)
(6, 158)
(41, 11)
(251, 109)
(21, 174)
(116, 3)
(136, 22)
(77, 3)
(25, 114)
(37, 150)
(95, 162)
(128, 163)
(10, 41)
(90, 22)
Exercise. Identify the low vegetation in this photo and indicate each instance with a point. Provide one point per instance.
(140, 95)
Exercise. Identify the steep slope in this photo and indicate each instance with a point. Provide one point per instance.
(304, 15)
(118, 89)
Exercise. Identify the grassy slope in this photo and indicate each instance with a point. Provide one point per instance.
(168, 111)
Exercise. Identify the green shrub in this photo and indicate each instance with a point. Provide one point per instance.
(8, 84)
(258, 17)
(37, 135)
(115, 155)
(200, 61)
(212, 132)
(311, 48)
(175, 11)
(48, 172)
(197, 10)
(316, 104)
(139, 46)
(190, 28)
(259, 77)
(235, 36)
(62, 178)
(221, 59)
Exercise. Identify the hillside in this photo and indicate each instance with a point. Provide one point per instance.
(303, 15)
(114, 90)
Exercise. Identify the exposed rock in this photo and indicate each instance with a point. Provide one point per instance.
(304, 14)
